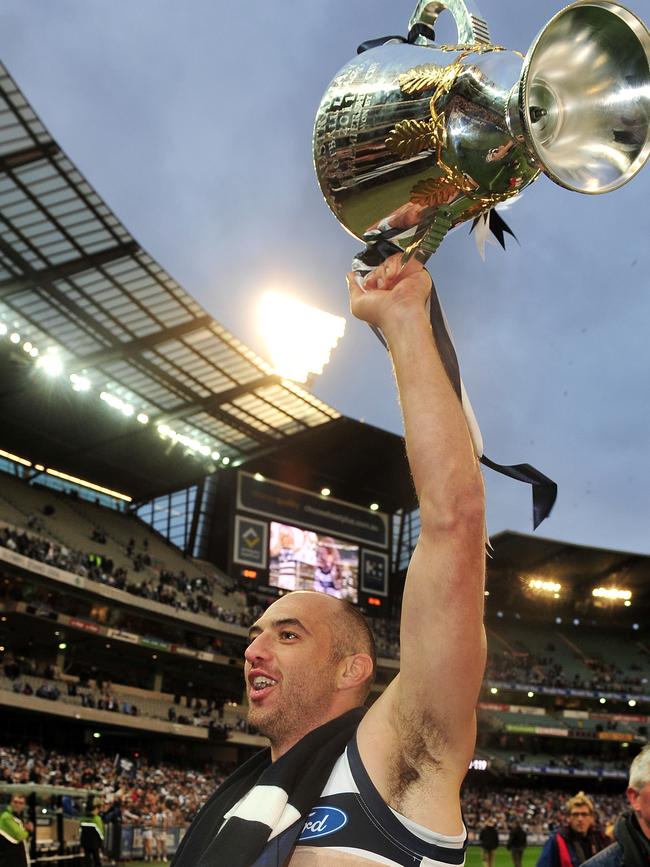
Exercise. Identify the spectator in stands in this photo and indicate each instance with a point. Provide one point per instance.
(310, 660)
(489, 840)
(14, 835)
(517, 843)
(578, 840)
(632, 830)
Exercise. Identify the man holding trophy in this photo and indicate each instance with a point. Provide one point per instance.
(340, 786)
(411, 139)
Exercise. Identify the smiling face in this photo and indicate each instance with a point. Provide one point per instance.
(291, 669)
(310, 659)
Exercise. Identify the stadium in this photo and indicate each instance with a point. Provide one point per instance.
(160, 484)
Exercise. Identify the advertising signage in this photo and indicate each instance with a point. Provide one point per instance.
(304, 509)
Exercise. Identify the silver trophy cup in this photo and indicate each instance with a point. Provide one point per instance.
(413, 138)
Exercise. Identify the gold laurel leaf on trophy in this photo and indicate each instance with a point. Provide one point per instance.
(433, 192)
(409, 137)
(420, 78)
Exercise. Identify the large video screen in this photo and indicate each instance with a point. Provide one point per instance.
(304, 560)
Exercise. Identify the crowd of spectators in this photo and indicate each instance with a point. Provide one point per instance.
(545, 670)
(386, 634)
(22, 672)
(182, 592)
(537, 810)
(195, 594)
(92, 690)
(131, 781)
(139, 786)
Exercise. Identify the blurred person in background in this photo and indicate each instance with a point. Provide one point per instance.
(489, 839)
(92, 835)
(14, 835)
(578, 840)
(516, 844)
(632, 830)
(162, 823)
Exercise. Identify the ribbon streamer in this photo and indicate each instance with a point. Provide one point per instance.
(492, 222)
(544, 489)
(415, 31)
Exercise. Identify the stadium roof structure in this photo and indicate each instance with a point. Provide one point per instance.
(81, 300)
(577, 568)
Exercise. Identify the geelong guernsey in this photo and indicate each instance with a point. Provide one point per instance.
(352, 825)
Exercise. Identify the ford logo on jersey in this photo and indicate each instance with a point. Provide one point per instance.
(322, 821)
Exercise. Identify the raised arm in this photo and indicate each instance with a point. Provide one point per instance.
(425, 720)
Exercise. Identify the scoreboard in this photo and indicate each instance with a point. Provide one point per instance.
(286, 538)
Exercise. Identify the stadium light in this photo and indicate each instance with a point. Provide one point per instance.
(299, 338)
(374, 507)
(215, 456)
(14, 337)
(27, 346)
(531, 694)
(613, 594)
(494, 690)
(79, 383)
(117, 403)
(602, 700)
(3, 329)
(632, 702)
(63, 645)
(225, 461)
(96, 734)
(85, 484)
(143, 418)
(2, 648)
(33, 352)
(50, 363)
(258, 477)
(15, 458)
(539, 585)
(325, 492)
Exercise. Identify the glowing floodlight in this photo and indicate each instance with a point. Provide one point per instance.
(50, 363)
(299, 338)
(79, 383)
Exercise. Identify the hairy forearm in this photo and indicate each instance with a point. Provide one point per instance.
(445, 470)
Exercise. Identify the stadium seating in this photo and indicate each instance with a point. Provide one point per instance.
(127, 543)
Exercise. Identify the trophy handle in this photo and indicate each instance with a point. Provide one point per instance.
(471, 27)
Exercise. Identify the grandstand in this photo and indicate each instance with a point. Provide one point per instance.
(145, 457)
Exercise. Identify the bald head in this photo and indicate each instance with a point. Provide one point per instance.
(348, 628)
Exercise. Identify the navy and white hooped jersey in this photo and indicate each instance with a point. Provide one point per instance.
(351, 824)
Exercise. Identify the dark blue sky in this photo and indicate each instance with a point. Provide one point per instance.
(193, 121)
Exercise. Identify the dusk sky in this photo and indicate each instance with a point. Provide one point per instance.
(193, 121)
